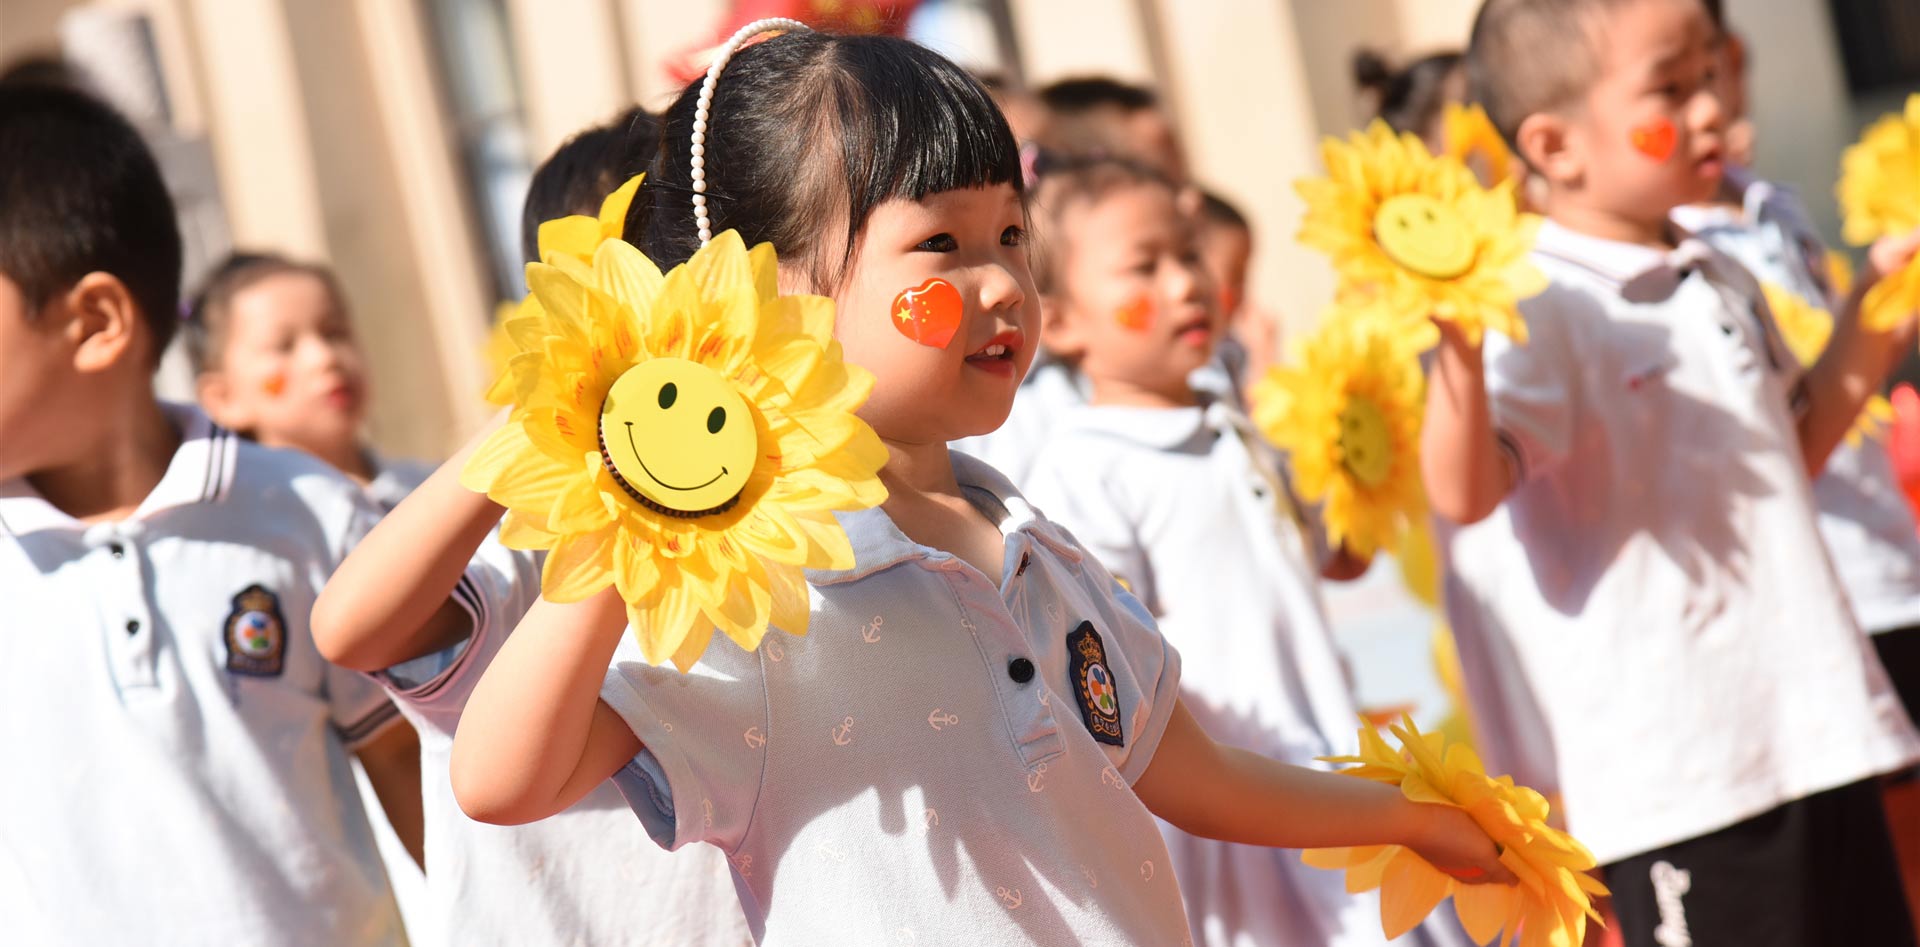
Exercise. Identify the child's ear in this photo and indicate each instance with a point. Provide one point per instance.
(1060, 330)
(104, 323)
(1546, 144)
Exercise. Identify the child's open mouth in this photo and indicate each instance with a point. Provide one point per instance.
(997, 356)
(1196, 331)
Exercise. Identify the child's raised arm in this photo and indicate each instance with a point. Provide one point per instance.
(1221, 792)
(1856, 361)
(389, 601)
(1465, 472)
(535, 737)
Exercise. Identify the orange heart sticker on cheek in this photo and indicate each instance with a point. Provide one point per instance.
(1655, 139)
(275, 385)
(1136, 316)
(929, 313)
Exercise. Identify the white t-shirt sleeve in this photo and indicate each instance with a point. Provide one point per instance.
(496, 590)
(1142, 657)
(1529, 387)
(357, 705)
(704, 734)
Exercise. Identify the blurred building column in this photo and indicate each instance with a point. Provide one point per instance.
(300, 125)
(572, 67)
(1064, 38)
(657, 31)
(441, 227)
(1248, 120)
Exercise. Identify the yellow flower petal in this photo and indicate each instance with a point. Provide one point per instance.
(1410, 890)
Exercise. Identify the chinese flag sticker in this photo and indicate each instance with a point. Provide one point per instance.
(928, 314)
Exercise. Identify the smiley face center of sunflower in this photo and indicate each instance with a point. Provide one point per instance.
(1424, 236)
(1366, 443)
(678, 438)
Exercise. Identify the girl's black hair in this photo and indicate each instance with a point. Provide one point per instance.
(584, 170)
(812, 130)
(1408, 99)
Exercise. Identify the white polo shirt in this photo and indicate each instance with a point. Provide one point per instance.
(940, 760)
(1650, 615)
(1053, 389)
(1866, 522)
(587, 876)
(178, 746)
(1187, 505)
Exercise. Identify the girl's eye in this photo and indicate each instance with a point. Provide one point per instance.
(938, 243)
(1671, 90)
(1014, 236)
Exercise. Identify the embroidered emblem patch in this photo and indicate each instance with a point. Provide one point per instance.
(1093, 685)
(256, 634)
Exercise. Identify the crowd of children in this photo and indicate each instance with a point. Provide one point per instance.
(1076, 685)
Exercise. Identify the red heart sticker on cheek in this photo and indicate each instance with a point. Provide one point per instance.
(1655, 139)
(929, 313)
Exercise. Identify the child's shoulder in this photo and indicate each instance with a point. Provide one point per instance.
(297, 498)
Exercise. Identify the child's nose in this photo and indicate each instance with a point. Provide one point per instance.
(1707, 111)
(1188, 282)
(1000, 289)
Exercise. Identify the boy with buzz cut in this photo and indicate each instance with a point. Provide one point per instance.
(177, 748)
(1645, 613)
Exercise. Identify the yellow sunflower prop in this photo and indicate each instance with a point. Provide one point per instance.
(1473, 141)
(685, 438)
(576, 236)
(1807, 328)
(1422, 232)
(1879, 194)
(1548, 908)
(1348, 415)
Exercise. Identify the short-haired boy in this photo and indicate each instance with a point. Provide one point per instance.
(1648, 579)
(177, 748)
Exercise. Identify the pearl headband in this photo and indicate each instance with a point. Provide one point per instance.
(701, 110)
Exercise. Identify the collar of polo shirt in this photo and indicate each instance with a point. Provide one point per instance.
(878, 543)
(1164, 428)
(1644, 274)
(200, 472)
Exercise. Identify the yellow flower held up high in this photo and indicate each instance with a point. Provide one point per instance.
(685, 438)
(1421, 233)
(1879, 193)
(577, 236)
(1473, 141)
(1548, 908)
(1807, 328)
(1348, 415)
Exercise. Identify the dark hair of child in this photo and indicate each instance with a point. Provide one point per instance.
(584, 170)
(1408, 99)
(1078, 96)
(80, 193)
(211, 313)
(810, 132)
(1218, 211)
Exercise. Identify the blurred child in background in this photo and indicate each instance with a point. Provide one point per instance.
(1171, 488)
(180, 746)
